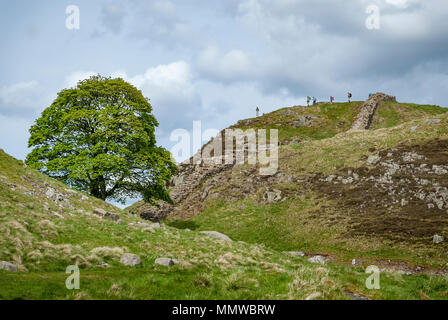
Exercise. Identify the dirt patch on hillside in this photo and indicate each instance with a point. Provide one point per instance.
(401, 193)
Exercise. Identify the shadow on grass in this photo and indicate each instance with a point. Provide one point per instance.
(184, 224)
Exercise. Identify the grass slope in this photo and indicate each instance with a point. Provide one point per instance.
(308, 222)
(43, 236)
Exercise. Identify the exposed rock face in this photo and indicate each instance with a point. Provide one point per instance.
(403, 193)
(156, 214)
(217, 235)
(365, 116)
(130, 259)
(190, 176)
(188, 179)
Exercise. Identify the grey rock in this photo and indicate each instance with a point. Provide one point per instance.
(288, 113)
(414, 128)
(103, 264)
(130, 259)
(111, 216)
(437, 239)
(373, 159)
(217, 235)
(272, 196)
(8, 266)
(304, 121)
(99, 212)
(433, 121)
(317, 259)
(295, 253)
(167, 262)
(155, 225)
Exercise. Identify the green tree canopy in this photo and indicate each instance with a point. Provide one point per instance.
(99, 137)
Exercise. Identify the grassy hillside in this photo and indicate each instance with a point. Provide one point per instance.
(45, 226)
(42, 234)
(344, 220)
(327, 120)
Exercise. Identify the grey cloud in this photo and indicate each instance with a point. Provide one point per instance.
(113, 16)
(324, 46)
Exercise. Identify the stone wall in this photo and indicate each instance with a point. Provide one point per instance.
(365, 116)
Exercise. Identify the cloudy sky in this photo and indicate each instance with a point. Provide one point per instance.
(216, 60)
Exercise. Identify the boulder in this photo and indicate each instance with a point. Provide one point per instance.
(8, 266)
(433, 121)
(99, 212)
(437, 239)
(317, 259)
(156, 213)
(130, 259)
(167, 262)
(217, 235)
(111, 216)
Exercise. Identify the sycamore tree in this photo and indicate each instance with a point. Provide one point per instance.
(99, 137)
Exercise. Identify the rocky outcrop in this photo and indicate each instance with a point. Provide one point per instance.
(365, 116)
(400, 192)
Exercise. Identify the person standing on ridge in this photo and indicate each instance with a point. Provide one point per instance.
(308, 99)
(331, 99)
(257, 111)
(314, 100)
(349, 95)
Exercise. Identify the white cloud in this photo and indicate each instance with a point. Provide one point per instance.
(21, 99)
(233, 65)
(168, 83)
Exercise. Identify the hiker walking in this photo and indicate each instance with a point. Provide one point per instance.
(257, 111)
(314, 100)
(331, 99)
(349, 95)
(308, 99)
